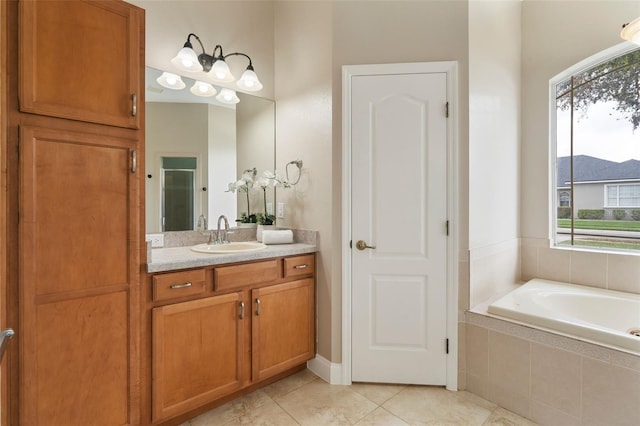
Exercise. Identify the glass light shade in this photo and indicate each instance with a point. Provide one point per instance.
(228, 96)
(220, 72)
(631, 31)
(200, 88)
(187, 60)
(249, 81)
(170, 81)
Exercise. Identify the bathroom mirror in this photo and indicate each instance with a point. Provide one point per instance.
(196, 146)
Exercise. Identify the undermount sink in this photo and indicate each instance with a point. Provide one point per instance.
(239, 247)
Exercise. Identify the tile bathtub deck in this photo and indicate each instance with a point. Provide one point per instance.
(304, 399)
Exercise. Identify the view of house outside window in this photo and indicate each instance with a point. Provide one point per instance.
(597, 170)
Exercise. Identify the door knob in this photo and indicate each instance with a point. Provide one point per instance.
(361, 245)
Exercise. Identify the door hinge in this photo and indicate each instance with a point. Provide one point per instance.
(447, 225)
(446, 345)
(446, 110)
(350, 244)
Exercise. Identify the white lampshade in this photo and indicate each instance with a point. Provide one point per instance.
(170, 81)
(200, 88)
(228, 96)
(187, 60)
(249, 81)
(220, 72)
(631, 31)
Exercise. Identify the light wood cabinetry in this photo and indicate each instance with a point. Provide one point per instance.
(72, 237)
(197, 352)
(81, 60)
(250, 324)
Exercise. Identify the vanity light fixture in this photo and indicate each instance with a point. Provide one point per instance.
(170, 81)
(228, 96)
(200, 88)
(215, 65)
(631, 31)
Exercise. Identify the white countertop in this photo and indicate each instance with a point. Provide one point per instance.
(174, 258)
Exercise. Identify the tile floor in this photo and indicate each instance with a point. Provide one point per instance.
(305, 399)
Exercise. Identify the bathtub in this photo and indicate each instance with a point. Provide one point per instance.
(604, 317)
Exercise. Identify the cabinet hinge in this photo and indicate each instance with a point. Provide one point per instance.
(446, 345)
(446, 110)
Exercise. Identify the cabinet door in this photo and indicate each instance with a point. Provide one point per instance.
(79, 263)
(81, 60)
(283, 327)
(197, 353)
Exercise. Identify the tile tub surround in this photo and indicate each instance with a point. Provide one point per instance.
(304, 399)
(549, 378)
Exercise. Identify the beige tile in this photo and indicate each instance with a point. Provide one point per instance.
(478, 385)
(462, 346)
(319, 403)
(610, 394)
(377, 393)
(477, 348)
(554, 264)
(510, 400)
(555, 378)
(269, 414)
(502, 417)
(381, 417)
(290, 384)
(624, 273)
(589, 269)
(545, 415)
(435, 405)
(463, 285)
(234, 410)
(528, 262)
(509, 363)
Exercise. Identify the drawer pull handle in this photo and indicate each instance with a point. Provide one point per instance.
(241, 310)
(180, 285)
(303, 266)
(257, 307)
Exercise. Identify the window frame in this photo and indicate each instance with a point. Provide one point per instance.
(618, 185)
(553, 198)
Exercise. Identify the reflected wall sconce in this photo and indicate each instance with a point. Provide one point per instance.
(631, 31)
(215, 65)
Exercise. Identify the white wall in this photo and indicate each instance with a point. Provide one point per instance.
(555, 36)
(494, 147)
(222, 160)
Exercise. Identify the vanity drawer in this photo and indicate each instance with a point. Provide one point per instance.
(178, 284)
(236, 276)
(299, 265)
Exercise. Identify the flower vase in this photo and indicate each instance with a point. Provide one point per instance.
(261, 228)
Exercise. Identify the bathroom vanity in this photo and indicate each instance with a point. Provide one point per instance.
(218, 326)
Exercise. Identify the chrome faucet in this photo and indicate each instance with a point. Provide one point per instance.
(221, 234)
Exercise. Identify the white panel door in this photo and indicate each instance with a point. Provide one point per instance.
(399, 207)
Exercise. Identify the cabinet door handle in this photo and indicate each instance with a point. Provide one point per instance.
(241, 310)
(180, 285)
(134, 161)
(303, 266)
(134, 105)
(5, 335)
(257, 307)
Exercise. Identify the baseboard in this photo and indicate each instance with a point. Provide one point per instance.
(326, 370)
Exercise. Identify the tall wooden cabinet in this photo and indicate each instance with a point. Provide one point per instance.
(75, 99)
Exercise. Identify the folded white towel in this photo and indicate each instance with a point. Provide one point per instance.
(280, 236)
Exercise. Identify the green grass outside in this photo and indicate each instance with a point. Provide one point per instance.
(607, 225)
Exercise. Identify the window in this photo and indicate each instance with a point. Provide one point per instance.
(623, 196)
(596, 117)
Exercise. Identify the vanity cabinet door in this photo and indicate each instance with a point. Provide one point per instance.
(196, 353)
(283, 327)
(81, 60)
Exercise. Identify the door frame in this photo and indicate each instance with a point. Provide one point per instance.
(450, 68)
